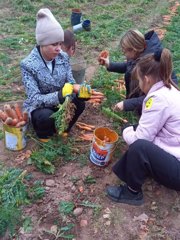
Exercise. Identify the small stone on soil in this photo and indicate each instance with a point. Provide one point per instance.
(83, 223)
(77, 211)
(54, 229)
(106, 216)
(108, 223)
(50, 182)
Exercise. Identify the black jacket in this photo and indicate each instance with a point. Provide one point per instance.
(135, 100)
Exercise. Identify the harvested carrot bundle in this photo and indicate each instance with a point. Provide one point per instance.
(120, 84)
(87, 136)
(96, 93)
(18, 111)
(64, 115)
(95, 101)
(103, 54)
(85, 126)
(13, 116)
(20, 124)
(3, 116)
(15, 122)
(9, 121)
(25, 116)
(106, 139)
(96, 97)
(9, 111)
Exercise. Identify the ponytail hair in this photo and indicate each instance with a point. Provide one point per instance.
(158, 66)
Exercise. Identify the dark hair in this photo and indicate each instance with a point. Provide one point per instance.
(69, 39)
(158, 65)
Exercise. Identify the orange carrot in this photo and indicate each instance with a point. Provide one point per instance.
(87, 136)
(13, 113)
(104, 54)
(9, 111)
(95, 100)
(106, 139)
(25, 116)
(97, 93)
(20, 124)
(84, 124)
(96, 96)
(14, 122)
(3, 115)
(18, 111)
(84, 127)
(9, 121)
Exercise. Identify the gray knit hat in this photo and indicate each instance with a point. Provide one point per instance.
(48, 30)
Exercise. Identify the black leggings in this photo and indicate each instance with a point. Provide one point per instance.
(44, 126)
(144, 159)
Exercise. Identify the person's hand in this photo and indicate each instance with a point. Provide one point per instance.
(84, 91)
(119, 106)
(103, 58)
(104, 61)
(67, 89)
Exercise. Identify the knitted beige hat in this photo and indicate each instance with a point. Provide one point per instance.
(48, 30)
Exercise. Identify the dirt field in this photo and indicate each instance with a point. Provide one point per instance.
(96, 217)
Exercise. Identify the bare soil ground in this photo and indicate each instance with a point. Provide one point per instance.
(158, 218)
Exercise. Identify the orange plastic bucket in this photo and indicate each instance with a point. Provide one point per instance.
(103, 146)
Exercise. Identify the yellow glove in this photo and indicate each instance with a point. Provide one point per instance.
(84, 91)
(67, 89)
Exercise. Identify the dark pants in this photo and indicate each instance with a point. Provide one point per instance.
(44, 126)
(144, 159)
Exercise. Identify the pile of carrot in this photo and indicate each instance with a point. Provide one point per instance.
(13, 115)
(96, 97)
(120, 85)
(106, 139)
(86, 136)
(84, 126)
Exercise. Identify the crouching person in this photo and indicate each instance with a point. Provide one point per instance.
(47, 77)
(154, 146)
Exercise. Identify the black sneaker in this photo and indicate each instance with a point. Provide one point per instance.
(121, 194)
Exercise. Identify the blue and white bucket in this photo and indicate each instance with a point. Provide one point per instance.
(103, 146)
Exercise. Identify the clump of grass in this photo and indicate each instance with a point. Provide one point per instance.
(172, 41)
(48, 154)
(14, 193)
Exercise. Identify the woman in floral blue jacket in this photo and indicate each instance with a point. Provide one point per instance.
(47, 76)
